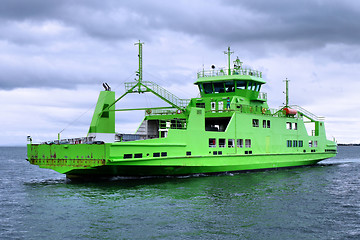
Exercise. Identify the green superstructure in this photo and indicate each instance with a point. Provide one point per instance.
(230, 127)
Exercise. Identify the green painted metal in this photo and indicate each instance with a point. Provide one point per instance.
(103, 120)
(230, 127)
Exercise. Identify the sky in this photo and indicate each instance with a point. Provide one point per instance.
(55, 55)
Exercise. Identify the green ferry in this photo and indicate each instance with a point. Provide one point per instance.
(229, 128)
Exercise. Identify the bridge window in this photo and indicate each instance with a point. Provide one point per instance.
(208, 88)
(230, 86)
(254, 86)
(241, 85)
(201, 88)
(219, 87)
(249, 86)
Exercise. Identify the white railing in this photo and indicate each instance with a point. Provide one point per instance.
(233, 71)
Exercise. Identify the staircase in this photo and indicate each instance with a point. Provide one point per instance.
(160, 91)
(307, 114)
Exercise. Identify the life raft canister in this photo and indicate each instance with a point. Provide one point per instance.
(290, 112)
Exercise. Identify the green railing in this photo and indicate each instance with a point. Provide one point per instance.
(173, 124)
(233, 71)
(159, 90)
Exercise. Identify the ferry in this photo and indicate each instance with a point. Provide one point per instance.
(228, 128)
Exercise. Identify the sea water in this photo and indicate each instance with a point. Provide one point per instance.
(317, 202)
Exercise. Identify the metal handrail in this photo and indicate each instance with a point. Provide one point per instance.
(159, 90)
(307, 114)
(233, 71)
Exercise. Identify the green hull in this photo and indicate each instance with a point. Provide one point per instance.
(96, 163)
(232, 164)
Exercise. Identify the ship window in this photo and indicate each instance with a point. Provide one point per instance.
(254, 86)
(127, 156)
(188, 153)
(264, 123)
(300, 143)
(222, 142)
(212, 142)
(310, 143)
(248, 143)
(216, 124)
(230, 86)
(315, 143)
(240, 143)
(295, 143)
(164, 154)
(200, 105)
(231, 143)
(201, 88)
(268, 124)
(289, 143)
(258, 87)
(214, 152)
(219, 87)
(138, 155)
(255, 122)
(241, 85)
(219, 152)
(156, 154)
(288, 125)
(208, 88)
(294, 126)
(249, 86)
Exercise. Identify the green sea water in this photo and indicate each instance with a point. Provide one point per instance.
(317, 202)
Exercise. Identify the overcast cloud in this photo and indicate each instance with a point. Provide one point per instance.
(54, 55)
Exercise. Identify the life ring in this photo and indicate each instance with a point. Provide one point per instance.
(148, 111)
(251, 110)
(263, 110)
(178, 111)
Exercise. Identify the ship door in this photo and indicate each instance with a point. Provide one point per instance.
(221, 106)
(267, 146)
(213, 107)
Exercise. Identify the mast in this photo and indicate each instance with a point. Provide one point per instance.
(286, 92)
(228, 53)
(139, 72)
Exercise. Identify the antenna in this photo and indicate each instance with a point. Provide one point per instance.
(228, 53)
(139, 72)
(287, 92)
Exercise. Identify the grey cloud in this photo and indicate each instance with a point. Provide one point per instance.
(256, 27)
